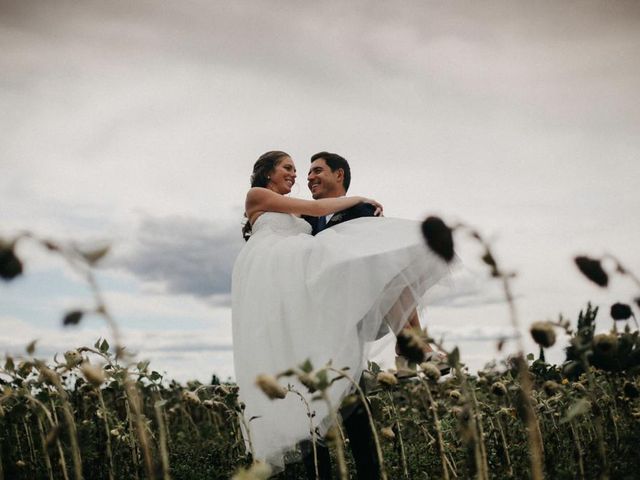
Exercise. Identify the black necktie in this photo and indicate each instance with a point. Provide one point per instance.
(322, 222)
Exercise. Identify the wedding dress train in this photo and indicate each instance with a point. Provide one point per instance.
(323, 298)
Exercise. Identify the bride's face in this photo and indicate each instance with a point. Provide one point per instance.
(283, 176)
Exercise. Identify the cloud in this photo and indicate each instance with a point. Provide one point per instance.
(521, 118)
(184, 255)
(184, 355)
(467, 287)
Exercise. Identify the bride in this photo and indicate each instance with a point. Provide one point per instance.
(328, 297)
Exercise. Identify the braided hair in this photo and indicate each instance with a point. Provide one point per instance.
(260, 178)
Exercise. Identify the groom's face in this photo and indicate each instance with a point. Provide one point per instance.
(324, 183)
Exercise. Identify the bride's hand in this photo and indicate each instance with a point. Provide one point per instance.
(377, 205)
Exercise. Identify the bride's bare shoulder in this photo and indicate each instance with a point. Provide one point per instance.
(258, 191)
(256, 194)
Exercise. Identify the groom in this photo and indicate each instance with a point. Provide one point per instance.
(329, 177)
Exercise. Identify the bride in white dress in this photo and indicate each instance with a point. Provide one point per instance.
(323, 298)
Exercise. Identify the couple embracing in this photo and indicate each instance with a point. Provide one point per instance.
(318, 280)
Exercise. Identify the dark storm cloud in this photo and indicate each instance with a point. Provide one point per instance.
(186, 255)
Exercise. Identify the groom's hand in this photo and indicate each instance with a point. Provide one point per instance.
(378, 206)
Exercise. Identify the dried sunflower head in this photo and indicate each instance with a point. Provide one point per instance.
(621, 311)
(411, 345)
(605, 343)
(543, 334)
(592, 269)
(498, 389)
(439, 237)
(550, 387)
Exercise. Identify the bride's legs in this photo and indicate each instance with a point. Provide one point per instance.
(413, 324)
(411, 328)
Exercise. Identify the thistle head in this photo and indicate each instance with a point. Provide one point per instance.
(386, 378)
(73, 358)
(93, 374)
(270, 386)
(388, 433)
(430, 371)
(191, 397)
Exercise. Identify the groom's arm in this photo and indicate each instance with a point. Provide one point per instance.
(360, 210)
(365, 210)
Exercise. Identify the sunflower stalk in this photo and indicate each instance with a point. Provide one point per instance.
(312, 430)
(534, 437)
(372, 423)
(396, 419)
(63, 462)
(45, 451)
(105, 414)
(438, 427)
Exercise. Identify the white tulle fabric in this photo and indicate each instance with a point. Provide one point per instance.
(323, 298)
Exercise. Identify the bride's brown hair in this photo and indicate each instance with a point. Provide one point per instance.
(260, 178)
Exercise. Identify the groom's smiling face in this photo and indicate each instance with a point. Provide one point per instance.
(324, 183)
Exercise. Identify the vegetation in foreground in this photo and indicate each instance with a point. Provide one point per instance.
(74, 419)
(98, 414)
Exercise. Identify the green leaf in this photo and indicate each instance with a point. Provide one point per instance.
(155, 376)
(375, 368)
(97, 344)
(454, 357)
(530, 356)
(322, 380)
(143, 365)
(104, 346)
(307, 366)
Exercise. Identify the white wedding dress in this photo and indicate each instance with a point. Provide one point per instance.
(323, 298)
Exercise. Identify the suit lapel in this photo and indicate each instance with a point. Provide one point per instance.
(338, 217)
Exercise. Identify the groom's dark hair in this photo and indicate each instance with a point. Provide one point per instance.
(334, 162)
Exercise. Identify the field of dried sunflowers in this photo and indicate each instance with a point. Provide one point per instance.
(98, 413)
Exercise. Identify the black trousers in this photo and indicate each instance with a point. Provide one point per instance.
(363, 449)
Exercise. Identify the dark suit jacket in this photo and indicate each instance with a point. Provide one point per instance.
(357, 211)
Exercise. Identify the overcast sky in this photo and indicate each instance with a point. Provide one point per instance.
(137, 123)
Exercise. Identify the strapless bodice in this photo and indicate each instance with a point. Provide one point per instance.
(284, 223)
